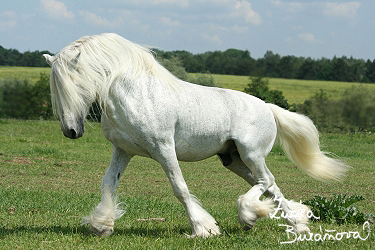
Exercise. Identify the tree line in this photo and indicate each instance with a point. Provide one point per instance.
(12, 57)
(239, 62)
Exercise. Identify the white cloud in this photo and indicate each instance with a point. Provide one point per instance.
(170, 23)
(8, 15)
(243, 9)
(240, 29)
(332, 9)
(341, 10)
(94, 19)
(181, 3)
(214, 39)
(56, 9)
(289, 39)
(309, 38)
(292, 7)
(8, 20)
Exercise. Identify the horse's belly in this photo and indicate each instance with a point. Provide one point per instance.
(196, 149)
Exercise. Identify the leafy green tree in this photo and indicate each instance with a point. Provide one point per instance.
(17, 99)
(355, 111)
(272, 62)
(307, 70)
(325, 112)
(12, 57)
(174, 65)
(259, 87)
(41, 98)
(26, 100)
(370, 71)
(204, 80)
(358, 108)
(323, 69)
(340, 69)
(288, 67)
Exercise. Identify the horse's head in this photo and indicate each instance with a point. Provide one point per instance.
(70, 100)
(85, 70)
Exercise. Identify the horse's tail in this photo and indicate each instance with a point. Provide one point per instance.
(299, 139)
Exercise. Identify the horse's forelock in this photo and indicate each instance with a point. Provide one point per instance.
(66, 93)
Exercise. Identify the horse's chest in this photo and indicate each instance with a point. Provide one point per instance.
(126, 137)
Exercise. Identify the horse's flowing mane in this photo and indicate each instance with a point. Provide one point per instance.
(84, 71)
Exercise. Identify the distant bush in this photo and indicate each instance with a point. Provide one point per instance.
(358, 108)
(175, 66)
(23, 99)
(354, 111)
(204, 80)
(259, 87)
(326, 113)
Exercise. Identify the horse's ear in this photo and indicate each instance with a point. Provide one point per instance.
(75, 60)
(49, 59)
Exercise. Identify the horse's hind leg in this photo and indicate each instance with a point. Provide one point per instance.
(202, 223)
(299, 211)
(250, 208)
(104, 215)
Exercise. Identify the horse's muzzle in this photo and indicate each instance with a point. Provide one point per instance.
(71, 127)
(73, 133)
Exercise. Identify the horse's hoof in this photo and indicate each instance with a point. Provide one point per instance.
(103, 232)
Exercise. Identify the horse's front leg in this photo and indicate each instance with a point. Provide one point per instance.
(104, 215)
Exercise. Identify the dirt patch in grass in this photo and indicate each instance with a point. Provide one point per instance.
(20, 160)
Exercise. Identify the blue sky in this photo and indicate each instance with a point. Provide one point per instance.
(302, 28)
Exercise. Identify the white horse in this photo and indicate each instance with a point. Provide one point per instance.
(149, 112)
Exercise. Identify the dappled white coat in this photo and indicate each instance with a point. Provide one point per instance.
(198, 122)
(149, 112)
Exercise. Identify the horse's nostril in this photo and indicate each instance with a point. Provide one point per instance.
(73, 133)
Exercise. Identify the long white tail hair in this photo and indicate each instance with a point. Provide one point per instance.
(299, 139)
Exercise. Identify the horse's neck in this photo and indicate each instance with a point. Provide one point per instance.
(151, 85)
(136, 88)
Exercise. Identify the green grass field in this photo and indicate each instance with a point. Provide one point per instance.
(29, 73)
(295, 91)
(48, 183)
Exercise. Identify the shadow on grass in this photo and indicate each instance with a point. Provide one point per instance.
(84, 231)
(41, 230)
